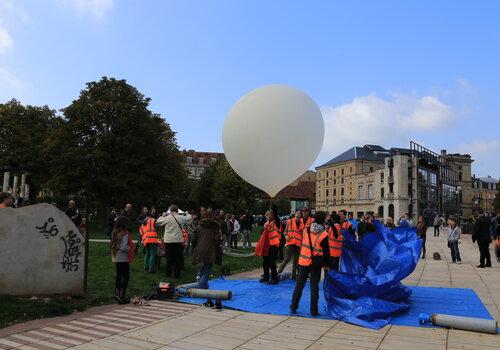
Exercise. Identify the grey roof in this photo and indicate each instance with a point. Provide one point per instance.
(355, 153)
(375, 148)
(488, 179)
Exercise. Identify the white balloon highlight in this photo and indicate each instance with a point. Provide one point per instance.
(272, 135)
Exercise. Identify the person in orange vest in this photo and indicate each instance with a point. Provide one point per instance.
(345, 225)
(293, 240)
(273, 235)
(150, 241)
(314, 256)
(335, 240)
(307, 220)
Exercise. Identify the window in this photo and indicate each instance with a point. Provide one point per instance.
(335, 173)
(342, 180)
(327, 182)
(213, 160)
(460, 176)
(327, 174)
(459, 167)
(382, 192)
(371, 168)
(409, 190)
(342, 191)
(334, 181)
(189, 160)
(350, 170)
(327, 193)
(192, 171)
(370, 191)
(391, 188)
(201, 160)
(360, 192)
(433, 179)
(382, 177)
(342, 171)
(334, 192)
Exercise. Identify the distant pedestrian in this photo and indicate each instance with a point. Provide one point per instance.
(143, 216)
(191, 229)
(233, 243)
(73, 213)
(482, 235)
(207, 241)
(110, 223)
(453, 237)
(6, 200)
(121, 249)
(365, 226)
(173, 222)
(422, 233)
(436, 224)
(351, 219)
(246, 226)
(227, 229)
(389, 222)
(127, 212)
(495, 233)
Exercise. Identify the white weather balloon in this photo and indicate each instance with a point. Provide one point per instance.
(272, 135)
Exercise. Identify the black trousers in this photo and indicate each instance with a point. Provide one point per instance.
(269, 263)
(233, 243)
(484, 253)
(333, 263)
(300, 282)
(436, 231)
(423, 246)
(122, 275)
(175, 259)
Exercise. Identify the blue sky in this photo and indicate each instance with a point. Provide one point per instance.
(383, 72)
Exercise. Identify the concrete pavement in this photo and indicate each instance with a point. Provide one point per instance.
(180, 326)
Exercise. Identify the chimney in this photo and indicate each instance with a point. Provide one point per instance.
(443, 153)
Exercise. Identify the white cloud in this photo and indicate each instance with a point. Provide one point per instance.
(96, 8)
(9, 79)
(480, 148)
(6, 42)
(374, 120)
(485, 154)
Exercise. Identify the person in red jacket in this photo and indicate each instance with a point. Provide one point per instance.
(272, 234)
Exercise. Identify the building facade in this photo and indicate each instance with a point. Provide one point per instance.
(196, 162)
(484, 190)
(393, 182)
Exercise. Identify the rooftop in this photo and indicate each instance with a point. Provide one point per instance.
(362, 153)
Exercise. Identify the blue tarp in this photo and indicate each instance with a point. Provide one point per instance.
(367, 290)
(252, 296)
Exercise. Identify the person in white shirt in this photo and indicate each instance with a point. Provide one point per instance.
(234, 234)
(172, 237)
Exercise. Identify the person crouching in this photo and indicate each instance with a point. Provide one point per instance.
(314, 256)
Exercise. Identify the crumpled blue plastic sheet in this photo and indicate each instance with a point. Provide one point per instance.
(367, 291)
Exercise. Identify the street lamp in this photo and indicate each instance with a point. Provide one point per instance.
(459, 189)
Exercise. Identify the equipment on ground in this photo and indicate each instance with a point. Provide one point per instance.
(458, 322)
(209, 294)
(284, 276)
(165, 290)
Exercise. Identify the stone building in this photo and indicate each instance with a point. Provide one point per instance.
(484, 190)
(393, 182)
(196, 162)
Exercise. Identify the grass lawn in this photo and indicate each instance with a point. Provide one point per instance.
(101, 276)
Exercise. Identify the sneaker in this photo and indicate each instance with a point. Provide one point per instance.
(487, 265)
(264, 280)
(293, 311)
(459, 262)
(480, 266)
(218, 305)
(208, 303)
(314, 313)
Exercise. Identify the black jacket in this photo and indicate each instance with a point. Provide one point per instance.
(227, 227)
(74, 215)
(247, 222)
(481, 232)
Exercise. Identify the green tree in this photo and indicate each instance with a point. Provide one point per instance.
(111, 140)
(24, 131)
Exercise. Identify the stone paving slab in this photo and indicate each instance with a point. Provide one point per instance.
(167, 325)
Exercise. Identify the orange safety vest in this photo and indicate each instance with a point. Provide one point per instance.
(148, 232)
(274, 233)
(305, 257)
(293, 233)
(335, 244)
(309, 222)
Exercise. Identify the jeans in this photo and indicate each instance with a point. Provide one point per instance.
(291, 251)
(233, 240)
(122, 275)
(304, 272)
(150, 257)
(204, 275)
(175, 259)
(455, 253)
(246, 238)
(484, 253)
(436, 231)
(269, 264)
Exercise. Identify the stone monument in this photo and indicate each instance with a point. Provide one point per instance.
(41, 252)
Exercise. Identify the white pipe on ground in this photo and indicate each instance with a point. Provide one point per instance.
(459, 322)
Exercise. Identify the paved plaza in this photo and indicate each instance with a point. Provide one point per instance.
(171, 325)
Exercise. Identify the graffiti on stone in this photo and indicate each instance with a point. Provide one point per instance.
(48, 232)
(70, 260)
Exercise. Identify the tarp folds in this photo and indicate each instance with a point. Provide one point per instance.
(367, 291)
